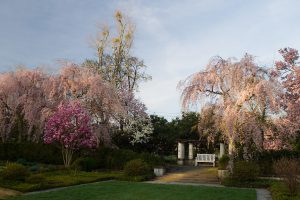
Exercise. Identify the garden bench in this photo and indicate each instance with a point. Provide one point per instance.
(205, 158)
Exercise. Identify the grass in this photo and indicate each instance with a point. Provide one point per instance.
(60, 179)
(118, 190)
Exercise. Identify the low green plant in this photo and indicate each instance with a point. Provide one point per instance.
(279, 191)
(15, 171)
(136, 167)
(223, 162)
(36, 179)
(245, 171)
(85, 164)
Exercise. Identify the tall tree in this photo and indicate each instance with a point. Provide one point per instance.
(288, 72)
(242, 90)
(115, 62)
(116, 65)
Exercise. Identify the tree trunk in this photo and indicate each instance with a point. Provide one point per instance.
(231, 151)
(67, 156)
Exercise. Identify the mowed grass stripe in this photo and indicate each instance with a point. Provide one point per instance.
(118, 190)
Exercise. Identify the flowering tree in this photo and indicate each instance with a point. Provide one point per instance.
(29, 96)
(288, 71)
(70, 128)
(245, 94)
(23, 104)
(96, 95)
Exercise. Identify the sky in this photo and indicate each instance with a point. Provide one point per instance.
(174, 38)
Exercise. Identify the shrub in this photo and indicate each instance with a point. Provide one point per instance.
(85, 164)
(15, 171)
(266, 159)
(223, 162)
(152, 160)
(34, 168)
(137, 167)
(245, 171)
(36, 179)
(288, 169)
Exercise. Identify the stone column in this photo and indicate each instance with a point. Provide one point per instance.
(191, 153)
(180, 153)
(222, 149)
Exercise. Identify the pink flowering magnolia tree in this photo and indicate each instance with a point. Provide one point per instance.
(70, 128)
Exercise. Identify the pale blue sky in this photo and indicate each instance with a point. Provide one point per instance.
(175, 38)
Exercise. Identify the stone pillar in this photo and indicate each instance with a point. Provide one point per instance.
(191, 152)
(180, 153)
(222, 149)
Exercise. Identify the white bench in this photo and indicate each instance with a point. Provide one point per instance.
(206, 158)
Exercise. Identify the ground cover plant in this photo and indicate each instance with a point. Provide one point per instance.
(128, 190)
(280, 191)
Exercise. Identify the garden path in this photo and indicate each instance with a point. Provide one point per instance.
(190, 174)
(5, 193)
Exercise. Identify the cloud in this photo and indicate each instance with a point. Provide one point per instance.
(175, 38)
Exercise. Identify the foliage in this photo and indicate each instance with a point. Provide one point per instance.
(245, 171)
(288, 169)
(136, 168)
(223, 162)
(14, 171)
(70, 128)
(279, 191)
(266, 159)
(115, 159)
(116, 190)
(258, 183)
(85, 164)
(36, 179)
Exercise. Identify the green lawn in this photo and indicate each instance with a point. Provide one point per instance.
(119, 190)
(61, 178)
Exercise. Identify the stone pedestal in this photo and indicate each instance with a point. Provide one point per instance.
(159, 171)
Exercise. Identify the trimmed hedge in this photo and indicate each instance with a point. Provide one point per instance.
(33, 152)
(29, 154)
